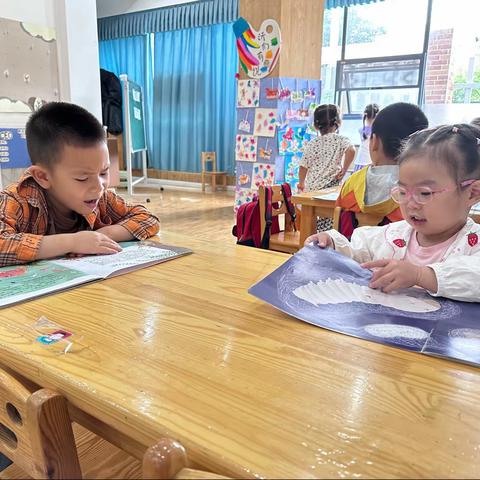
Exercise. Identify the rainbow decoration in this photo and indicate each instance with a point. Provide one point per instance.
(258, 51)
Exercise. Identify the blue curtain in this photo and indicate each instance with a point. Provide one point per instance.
(195, 14)
(347, 3)
(194, 97)
(132, 56)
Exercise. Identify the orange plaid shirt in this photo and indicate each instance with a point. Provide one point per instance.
(24, 219)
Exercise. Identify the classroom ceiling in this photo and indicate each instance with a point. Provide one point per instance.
(107, 8)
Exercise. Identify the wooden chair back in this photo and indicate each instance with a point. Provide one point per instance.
(167, 459)
(36, 430)
(363, 219)
(277, 197)
(209, 158)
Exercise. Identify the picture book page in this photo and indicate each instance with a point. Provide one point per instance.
(132, 256)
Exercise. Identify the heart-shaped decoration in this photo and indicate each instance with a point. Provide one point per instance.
(258, 51)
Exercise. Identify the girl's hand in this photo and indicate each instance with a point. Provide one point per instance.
(322, 239)
(341, 173)
(390, 275)
(300, 186)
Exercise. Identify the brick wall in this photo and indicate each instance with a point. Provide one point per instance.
(438, 76)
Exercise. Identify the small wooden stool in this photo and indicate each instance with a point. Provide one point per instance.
(215, 177)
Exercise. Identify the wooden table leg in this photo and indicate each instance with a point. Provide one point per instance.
(306, 223)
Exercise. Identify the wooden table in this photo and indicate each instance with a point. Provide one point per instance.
(313, 208)
(181, 349)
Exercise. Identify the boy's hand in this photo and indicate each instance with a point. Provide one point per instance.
(322, 239)
(93, 243)
(390, 275)
(300, 186)
(116, 233)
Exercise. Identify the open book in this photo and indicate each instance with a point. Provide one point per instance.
(23, 282)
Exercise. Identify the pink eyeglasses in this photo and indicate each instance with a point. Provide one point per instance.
(421, 195)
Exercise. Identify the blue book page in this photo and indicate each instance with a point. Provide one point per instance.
(458, 338)
(329, 290)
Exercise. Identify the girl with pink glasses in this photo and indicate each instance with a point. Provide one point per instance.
(437, 246)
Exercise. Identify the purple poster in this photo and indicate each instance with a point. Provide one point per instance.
(329, 290)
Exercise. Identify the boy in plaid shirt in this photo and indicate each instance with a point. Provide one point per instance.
(61, 204)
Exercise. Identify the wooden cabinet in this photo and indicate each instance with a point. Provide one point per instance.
(115, 150)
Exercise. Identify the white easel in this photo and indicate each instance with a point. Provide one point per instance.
(130, 148)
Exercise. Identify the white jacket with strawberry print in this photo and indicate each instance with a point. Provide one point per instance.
(458, 273)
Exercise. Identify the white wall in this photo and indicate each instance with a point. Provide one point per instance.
(79, 64)
(107, 8)
(76, 25)
(32, 11)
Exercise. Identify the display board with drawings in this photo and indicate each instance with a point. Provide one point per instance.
(274, 119)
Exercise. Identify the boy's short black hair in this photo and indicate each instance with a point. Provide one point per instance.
(57, 124)
(395, 123)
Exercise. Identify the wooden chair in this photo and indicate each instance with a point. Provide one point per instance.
(168, 459)
(216, 178)
(363, 219)
(36, 434)
(287, 240)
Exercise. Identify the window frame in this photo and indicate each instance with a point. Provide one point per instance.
(422, 56)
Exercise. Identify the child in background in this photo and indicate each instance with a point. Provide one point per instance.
(368, 190)
(363, 155)
(61, 204)
(437, 246)
(321, 165)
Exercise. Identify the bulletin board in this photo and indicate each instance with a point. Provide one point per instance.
(136, 116)
(134, 130)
